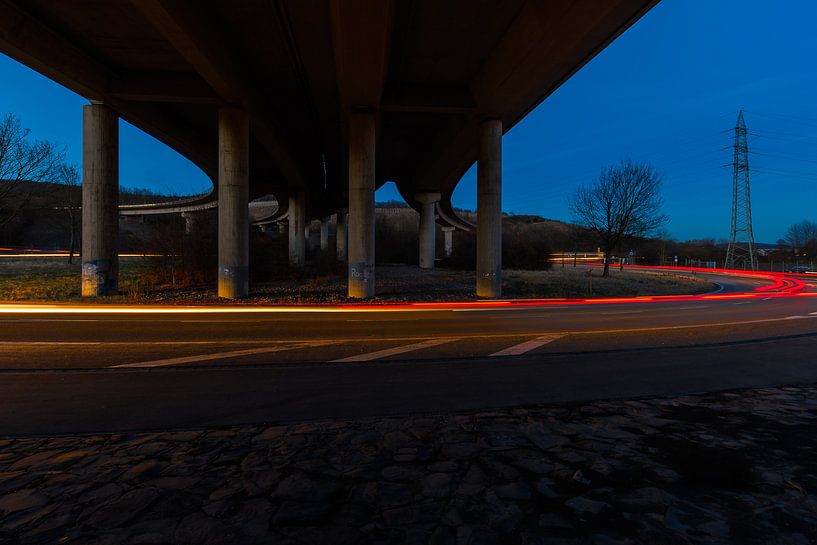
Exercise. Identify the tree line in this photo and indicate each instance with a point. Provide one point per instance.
(40, 193)
(621, 208)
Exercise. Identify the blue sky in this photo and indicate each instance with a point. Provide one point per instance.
(663, 93)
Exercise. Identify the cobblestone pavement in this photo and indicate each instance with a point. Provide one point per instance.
(721, 468)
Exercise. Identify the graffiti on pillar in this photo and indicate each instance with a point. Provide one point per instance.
(360, 271)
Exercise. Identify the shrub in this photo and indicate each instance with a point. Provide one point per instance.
(396, 238)
(525, 246)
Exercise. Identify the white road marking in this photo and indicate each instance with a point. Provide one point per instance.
(742, 303)
(30, 320)
(387, 320)
(147, 343)
(216, 356)
(17, 344)
(720, 289)
(369, 356)
(527, 346)
(693, 307)
(158, 310)
(537, 308)
(796, 317)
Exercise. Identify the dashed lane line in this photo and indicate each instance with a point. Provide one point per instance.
(216, 356)
(527, 346)
(378, 354)
(462, 336)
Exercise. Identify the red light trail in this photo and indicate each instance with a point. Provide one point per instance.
(780, 285)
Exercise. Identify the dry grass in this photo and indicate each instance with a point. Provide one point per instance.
(40, 278)
(56, 280)
(587, 282)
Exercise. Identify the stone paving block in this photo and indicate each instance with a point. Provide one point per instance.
(692, 470)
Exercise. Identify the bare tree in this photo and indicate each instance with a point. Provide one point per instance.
(624, 202)
(801, 236)
(23, 162)
(69, 205)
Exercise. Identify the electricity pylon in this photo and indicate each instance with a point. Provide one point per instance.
(741, 251)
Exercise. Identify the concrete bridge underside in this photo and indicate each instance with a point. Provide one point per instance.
(317, 102)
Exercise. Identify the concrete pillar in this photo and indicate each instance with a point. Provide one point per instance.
(295, 217)
(340, 234)
(190, 222)
(361, 204)
(312, 243)
(233, 202)
(325, 234)
(448, 241)
(428, 236)
(489, 210)
(100, 200)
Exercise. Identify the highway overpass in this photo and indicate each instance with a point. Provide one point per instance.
(317, 102)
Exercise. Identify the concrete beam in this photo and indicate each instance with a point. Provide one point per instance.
(233, 199)
(489, 210)
(189, 37)
(182, 206)
(428, 236)
(42, 48)
(361, 204)
(360, 34)
(30, 42)
(100, 200)
(297, 224)
(144, 86)
(428, 99)
(196, 41)
(520, 73)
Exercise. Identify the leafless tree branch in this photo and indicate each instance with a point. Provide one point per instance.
(623, 202)
(23, 163)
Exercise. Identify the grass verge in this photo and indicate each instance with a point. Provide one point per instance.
(44, 279)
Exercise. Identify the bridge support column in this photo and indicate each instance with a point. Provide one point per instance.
(489, 210)
(310, 243)
(233, 202)
(428, 236)
(100, 200)
(190, 222)
(448, 241)
(325, 234)
(295, 217)
(361, 204)
(340, 235)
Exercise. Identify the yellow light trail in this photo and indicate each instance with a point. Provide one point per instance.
(519, 304)
(105, 309)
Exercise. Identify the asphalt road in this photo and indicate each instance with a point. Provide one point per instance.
(74, 369)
